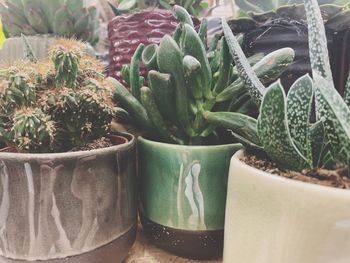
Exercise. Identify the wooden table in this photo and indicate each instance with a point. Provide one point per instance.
(144, 252)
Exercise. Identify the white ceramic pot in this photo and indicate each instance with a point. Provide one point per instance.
(271, 219)
(13, 48)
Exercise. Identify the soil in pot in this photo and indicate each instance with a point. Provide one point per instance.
(103, 142)
(320, 176)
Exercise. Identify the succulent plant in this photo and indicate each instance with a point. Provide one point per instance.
(258, 6)
(283, 130)
(286, 26)
(194, 7)
(55, 104)
(67, 18)
(185, 80)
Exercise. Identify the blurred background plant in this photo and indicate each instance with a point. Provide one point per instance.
(66, 18)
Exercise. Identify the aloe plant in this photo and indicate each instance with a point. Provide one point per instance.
(185, 79)
(283, 130)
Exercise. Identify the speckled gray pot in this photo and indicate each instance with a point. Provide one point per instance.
(77, 207)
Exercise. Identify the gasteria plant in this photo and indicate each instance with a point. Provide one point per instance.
(283, 130)
(56, 104)
(185, 80)
(65, 18)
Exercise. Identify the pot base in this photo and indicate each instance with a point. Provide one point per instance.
(184, 243)
(113, 252)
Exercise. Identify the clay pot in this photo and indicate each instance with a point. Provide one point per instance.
(76, 207)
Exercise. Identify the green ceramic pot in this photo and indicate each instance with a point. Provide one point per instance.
(183, 196)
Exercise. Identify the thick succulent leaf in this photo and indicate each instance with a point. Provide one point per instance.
(335, 114)
(299, 101)
(240, 124)
(318, 41)
(321, 148)
(255, 87)
(274, 133)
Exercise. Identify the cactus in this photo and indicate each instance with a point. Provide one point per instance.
(56, 104)
(283, 130)
(185, 80)
(67, 18)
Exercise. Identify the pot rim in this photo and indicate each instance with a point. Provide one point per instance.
(67, 155)
(164, 144)
(293, 183)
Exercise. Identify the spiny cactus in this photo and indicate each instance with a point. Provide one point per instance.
(66, 18)
(185, 80)
(56, 104)
(283, 130)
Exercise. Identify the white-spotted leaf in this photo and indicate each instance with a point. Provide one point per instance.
(255, 87)
(274, 132)
(299, 101)
(317, 41)
(335, 115)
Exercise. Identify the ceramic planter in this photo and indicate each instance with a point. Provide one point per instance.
(274, 34)
(183, 193)
(271, 219)
(126, 32)
(77, 207)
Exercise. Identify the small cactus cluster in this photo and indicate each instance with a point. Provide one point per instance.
(56, 104)
(186, 79)
(67, 18)
(283, 129)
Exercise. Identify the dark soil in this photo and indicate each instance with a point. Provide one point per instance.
(103, 142)
(333, 178)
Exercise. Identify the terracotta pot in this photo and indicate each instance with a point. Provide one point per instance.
(183, 193)
(271, 219)
(76, 207)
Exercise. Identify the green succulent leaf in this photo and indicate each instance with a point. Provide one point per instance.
(252, 82)
(240, 124)
(274, 132)
(335, 115)
(347, 92)
(299, 101)
(182, 15)
(318, 41)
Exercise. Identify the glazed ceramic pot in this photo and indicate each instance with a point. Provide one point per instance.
(76, 207)
(271, 219)
(183, 194)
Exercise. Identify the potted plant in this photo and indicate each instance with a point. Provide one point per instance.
(137, 22)
(283, 219)
(41, 21)
(271, 25)
(183, 163)
(67, 182)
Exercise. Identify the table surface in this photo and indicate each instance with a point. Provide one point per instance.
(144, 252)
